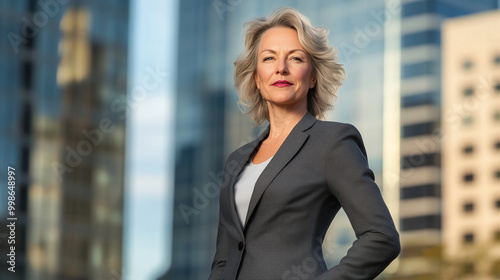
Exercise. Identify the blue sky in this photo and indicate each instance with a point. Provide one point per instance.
(148, 181)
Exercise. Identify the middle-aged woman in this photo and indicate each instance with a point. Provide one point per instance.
(281, 191)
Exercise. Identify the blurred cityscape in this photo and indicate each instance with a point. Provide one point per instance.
(423, 88)
(62, 64)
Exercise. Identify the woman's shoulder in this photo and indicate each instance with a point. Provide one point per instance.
(331, 128)
(339, 134)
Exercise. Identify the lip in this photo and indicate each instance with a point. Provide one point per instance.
(282, 83)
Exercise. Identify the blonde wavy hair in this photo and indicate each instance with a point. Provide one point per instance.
(328, 72)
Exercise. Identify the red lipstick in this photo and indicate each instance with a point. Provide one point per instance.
(282, 83)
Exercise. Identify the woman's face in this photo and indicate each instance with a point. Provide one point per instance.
(284, 70)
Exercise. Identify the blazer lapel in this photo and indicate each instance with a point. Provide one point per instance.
(285, 153)
(243, 154)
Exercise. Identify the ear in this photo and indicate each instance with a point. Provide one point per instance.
(257, 81)
(312, 83)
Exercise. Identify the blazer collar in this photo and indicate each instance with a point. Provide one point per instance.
(286, 152)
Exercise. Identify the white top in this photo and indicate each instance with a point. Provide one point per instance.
(245, 183)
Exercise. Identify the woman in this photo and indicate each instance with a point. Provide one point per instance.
(281, 191)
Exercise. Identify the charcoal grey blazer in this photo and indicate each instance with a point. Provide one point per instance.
(321, 167)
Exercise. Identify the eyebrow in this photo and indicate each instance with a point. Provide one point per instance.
(291, 51)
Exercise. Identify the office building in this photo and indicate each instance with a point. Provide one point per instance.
(471, 147)
(420, 173)
(199, 137)
(63, 67)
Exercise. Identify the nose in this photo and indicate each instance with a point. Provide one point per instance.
(282, 67)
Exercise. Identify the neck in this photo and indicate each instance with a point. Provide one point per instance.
(283, 120)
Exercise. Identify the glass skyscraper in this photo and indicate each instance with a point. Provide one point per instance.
(63, 67)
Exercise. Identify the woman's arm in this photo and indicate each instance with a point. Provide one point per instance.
(352, 183)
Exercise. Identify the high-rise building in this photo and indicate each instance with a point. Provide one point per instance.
(420, 173)
(63, 67)
(199, 137)
(209, 125)
(471, 147)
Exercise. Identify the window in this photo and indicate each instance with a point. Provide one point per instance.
(419, 69)
(469, 149)
(420, 38)
(421, 222)
(496, 60)
(467, 64)
(468, 177)
(468, 120)
(496, 87)
(468, 238)
(468, 268)
(27, 75)
(418, 99)
(426, 190)
(418, 129)
(496, 236)
(25, 158)
(26, 119)
(468, 207)
(420, 160)
(468, 91)
(416, 8)
(448, 9)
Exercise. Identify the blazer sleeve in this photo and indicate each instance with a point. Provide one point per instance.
(352, 183)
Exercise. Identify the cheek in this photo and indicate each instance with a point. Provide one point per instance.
(258, 77)
(304, 75)
(301, 71)
(261, 76)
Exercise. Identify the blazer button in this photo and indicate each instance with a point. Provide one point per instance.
(240, 246)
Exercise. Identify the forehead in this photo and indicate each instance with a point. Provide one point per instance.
(280, 37)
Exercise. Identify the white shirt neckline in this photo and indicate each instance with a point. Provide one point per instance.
(244, 186)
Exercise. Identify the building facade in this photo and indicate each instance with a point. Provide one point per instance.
(63, 99)
(421, 137)
(471, 147)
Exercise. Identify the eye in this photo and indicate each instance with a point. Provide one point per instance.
(267, 58)
(296, 58)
